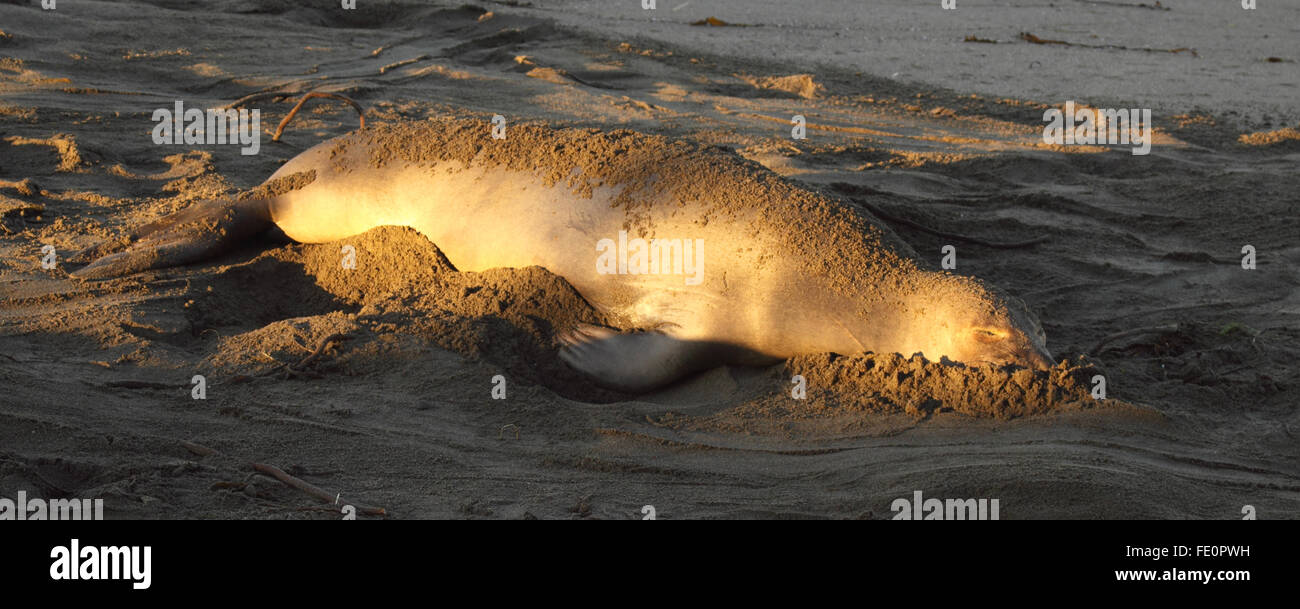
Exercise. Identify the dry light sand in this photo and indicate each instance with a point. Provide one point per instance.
(95, 400)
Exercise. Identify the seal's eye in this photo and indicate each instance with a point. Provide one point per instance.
(986, 335)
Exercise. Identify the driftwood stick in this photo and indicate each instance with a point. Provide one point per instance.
(299, 369)
(198, 449)
(294, 112)
(313, 490)
(254, 97)
(320, 350)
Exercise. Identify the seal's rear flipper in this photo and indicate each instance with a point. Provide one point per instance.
(198, 232)
(635, 362)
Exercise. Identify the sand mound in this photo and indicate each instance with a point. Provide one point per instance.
(889, 382)
(256, 293)
(1268, 138)
(387, 259)
(283, 342)
(278, 306)
(802, 85)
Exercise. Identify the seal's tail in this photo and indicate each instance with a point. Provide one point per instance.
(198, 232)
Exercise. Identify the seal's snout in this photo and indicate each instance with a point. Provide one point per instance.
(1026, 356)
(1024, 350)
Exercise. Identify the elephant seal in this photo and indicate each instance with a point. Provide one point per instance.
(710, 258)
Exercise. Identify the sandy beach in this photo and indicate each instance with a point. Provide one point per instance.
(1135, 266)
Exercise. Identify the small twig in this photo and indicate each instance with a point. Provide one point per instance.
(501, 434)
(294, 112)
(312, 490)
(404, 62)
(1027, 37)
(298, 369)
(199, 449)
(255, 96)
(1237, 369)
(1134, 332)
(320, 349)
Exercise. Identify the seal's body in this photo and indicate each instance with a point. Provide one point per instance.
(718, 258)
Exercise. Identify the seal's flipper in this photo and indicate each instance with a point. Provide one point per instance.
(633, 362)
(198, 232)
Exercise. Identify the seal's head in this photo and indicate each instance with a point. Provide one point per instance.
(972, 322)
